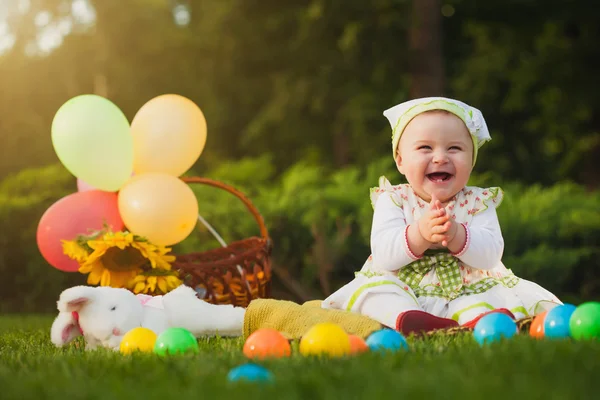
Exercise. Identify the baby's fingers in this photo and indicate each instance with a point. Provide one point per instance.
(437, 238)
(443, 220)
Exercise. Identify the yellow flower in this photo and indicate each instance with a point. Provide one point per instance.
(98, 274)
(118, 239)
(155, 254)
(122, 259)
(154, 284)
(73, 250)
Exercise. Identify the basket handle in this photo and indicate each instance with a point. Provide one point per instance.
(206, 181)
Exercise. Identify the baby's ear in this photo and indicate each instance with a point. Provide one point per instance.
(399, 163)
(73, 299)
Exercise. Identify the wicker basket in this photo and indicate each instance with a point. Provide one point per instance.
(234, 274)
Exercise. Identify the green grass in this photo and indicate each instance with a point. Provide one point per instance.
(442, 367)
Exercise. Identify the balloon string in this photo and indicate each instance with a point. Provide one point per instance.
(217, 236)
(212, 230)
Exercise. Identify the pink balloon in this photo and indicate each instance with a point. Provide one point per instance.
(77, 213)
(82, 186)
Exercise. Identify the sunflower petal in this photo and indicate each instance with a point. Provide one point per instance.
(162, 284)
(105, 280)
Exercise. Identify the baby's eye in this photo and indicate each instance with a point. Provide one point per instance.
(424, 147)
(456, 148)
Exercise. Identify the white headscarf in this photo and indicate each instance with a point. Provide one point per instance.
(400, 115)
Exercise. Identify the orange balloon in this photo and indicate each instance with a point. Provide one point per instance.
(357, 344)
(169, 134)
(266, 343)
(160, 207)
(536, 329)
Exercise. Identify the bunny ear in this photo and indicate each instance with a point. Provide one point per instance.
(73, 299)
(64, 329)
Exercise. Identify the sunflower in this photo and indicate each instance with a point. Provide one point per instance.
(155, 281)
(74, 250)
(116, 258)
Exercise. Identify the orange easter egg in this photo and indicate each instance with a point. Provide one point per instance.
(357, 344)
(536, 329)
(267, 343)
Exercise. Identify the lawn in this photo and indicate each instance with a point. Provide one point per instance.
(439, 367)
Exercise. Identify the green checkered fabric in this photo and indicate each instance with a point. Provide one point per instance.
(447, 270)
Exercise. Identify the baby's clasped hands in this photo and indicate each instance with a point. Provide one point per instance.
(436, 226)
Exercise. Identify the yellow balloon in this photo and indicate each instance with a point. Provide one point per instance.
(325, 339)
(138, 339)
(169, 134)
(160, 207)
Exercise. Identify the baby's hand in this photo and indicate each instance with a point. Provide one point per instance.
(434, 225)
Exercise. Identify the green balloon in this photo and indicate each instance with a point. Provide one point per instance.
(175, 341)
(91, 138)
(585, 321)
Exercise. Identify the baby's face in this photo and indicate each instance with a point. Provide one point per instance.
(435, 154)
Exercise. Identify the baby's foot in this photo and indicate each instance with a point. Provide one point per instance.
(418, 322)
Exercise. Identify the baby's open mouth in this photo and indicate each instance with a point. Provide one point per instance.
(439, 176)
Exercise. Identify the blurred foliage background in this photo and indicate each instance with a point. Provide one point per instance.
(293, 93)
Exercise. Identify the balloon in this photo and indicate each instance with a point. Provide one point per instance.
(160, 207)
(83, 187)
(91, 138)
(169, 134)
(77, 213)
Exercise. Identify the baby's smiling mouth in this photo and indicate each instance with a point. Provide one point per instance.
(439, 176)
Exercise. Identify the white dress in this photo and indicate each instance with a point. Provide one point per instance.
(458, 286)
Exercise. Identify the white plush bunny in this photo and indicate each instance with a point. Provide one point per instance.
(104, 314)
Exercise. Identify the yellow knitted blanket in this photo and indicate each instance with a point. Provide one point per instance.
(293, 320)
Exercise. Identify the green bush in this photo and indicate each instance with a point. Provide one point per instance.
(319, 221)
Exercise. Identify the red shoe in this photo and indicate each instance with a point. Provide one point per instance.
(471, 324)
(415, 321)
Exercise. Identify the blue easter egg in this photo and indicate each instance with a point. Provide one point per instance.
(386, 340)
(556, 324)
(251, 373)
(493, 327)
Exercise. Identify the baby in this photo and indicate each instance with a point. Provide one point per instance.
(436, 243)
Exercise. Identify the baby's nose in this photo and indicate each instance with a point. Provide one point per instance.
(440, 157)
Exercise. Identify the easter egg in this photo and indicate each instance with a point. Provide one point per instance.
(265, 343)
(585, 321)
(138, 339)
(493, 327)
(536, 329)
(175, 341)
(357, 344)
(325, 339)
(556, 323)
(386, 340)
(250, 373)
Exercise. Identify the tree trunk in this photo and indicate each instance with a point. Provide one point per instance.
(425, 44)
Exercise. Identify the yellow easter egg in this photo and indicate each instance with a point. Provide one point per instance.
(325, 339)
(138, 339)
